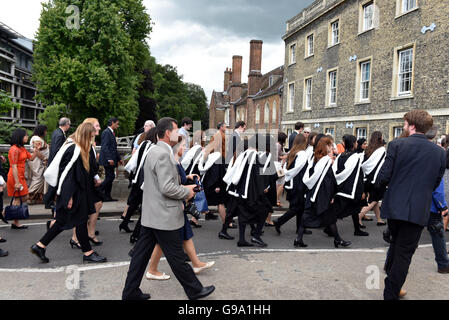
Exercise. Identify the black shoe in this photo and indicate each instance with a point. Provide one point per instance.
(94, 258)
(244, 244)
(361, 233)
(124, 226)
(232, 225)
(40, 252)
(203, 293)
(225, 235)
(259, 242)
(3, 253)
(253, 233)
(133, 239)
(342, 243)
(307, 231)
(381, 224)
(269, 224)
(210, 216)
(194, 224)
(2, 240)
(95, 243)
(299, 244)
(129, 221)
(13, 226)
(74, 244)
(362, 226)
(142, 297)
(277, 227)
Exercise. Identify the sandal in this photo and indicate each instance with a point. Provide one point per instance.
(269, 224)
(194, 224)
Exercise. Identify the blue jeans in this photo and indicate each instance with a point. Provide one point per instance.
(436, 230)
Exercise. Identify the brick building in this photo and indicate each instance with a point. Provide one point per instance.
(16, 59)
(356, 66)
(258, 102)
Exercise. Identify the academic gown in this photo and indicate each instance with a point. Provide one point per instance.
(344, 206)
(270, 177)
(295, 195)
(212, 179)
(320, 213)
(255, 207)
(76, 185)
(136, 193)
(374, 192)
(193, 166)
(97, 194)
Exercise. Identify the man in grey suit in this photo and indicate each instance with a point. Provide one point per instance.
(162, 218)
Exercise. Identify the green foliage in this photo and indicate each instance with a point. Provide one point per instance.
(6, 104)
(50, 117)
(96, 69)
(6, 130)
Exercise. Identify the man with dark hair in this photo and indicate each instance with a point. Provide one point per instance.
(109, 157)
(413, 169)
(240, 128)
(58, 137)
(299, 128)
(162, 218)
(186, 126)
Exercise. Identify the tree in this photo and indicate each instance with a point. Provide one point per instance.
(95, 68)
(50, 117)
(199, 100)
(6, 104)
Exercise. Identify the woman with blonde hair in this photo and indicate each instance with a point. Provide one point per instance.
(70, 174)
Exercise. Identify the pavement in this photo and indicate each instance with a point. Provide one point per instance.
(277, 272)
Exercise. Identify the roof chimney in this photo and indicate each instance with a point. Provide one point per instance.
(255, 66)
(237, 69)
(227, 79)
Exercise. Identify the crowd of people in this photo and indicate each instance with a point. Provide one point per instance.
(172, 175)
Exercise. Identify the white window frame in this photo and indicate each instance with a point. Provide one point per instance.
(332, 85)
(310, 45)
(266, 113)
(257, 114)
(406, 5)
(358, 135)
(334, 33)
(291, 97)
(331, 130)
(292, 54)
(405, 74)
(397, 131)
(366, 27)
(363, 81)
(308, 93)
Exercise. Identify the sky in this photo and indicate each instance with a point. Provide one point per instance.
(198, 37)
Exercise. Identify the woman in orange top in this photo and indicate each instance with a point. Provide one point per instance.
(18, 156)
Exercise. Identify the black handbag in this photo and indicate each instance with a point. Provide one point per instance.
(17, 212)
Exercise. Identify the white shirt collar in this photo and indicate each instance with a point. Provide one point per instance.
(111, 129)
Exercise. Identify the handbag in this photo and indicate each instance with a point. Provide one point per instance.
(17, 212)
(200, 199)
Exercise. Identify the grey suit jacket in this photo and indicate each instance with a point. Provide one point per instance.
(162, 206)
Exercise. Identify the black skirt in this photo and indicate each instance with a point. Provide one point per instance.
(311, 220)
(345, 207)
(374, 193)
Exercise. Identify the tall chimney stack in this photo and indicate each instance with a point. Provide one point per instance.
(237, 69)
(255, 66)
(227, 79)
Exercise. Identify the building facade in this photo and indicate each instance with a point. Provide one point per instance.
(258, 102)
(16, 60)
(357, 66)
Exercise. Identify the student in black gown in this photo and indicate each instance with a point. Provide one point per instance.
(319, 210)
(348, 173)
(374, 158)
(70, 173)
(135, 167)
(294, 169)
(247, 189)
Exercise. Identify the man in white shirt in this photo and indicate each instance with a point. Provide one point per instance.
(149, 124)
(186, 126)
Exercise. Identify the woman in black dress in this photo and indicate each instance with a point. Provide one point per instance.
(349, 176)
(294, 169)
(70, 173)
(319, 210)
(374, 157)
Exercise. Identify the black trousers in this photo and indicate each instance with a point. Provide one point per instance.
(134, 201)
(404, 241)
(292, 212)
(109, 178)
(81, 234)
(171, 244)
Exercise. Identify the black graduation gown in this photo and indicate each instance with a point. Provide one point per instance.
(97, 194)
(76, 185)
(374, 192)
(255, 208)
(295, 196)
(270, 177)
(136, 193)
(213, 179)
(320, 213)
(346, 207)
(195, 169)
